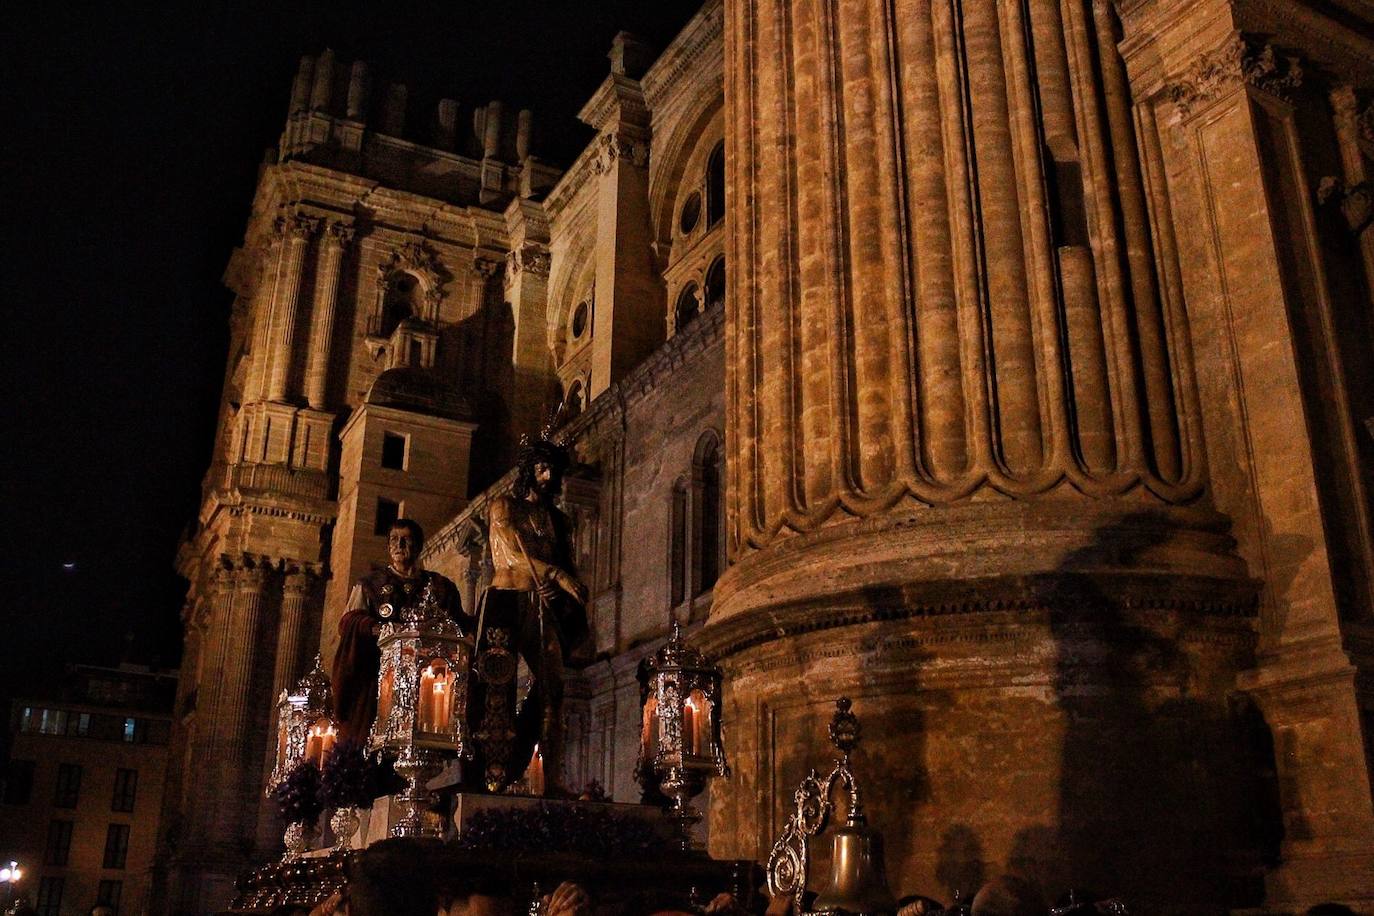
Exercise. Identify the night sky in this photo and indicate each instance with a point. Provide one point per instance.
(131, 143)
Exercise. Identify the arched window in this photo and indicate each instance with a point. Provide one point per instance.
(686, 308)
(402, 298)
(715, 185)
(708, 541)
(696, 543)
(715, 283)
(677, 546)
(573, 401)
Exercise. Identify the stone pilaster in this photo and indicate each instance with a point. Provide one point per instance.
(1246, 128)
(333, 244)
(260, 366)
(527, 285)
(629, 319)
(966, 475)
(296, 231)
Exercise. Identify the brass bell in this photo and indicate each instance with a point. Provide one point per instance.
(858, 880)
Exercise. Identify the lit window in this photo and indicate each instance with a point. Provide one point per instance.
(394, 451)
(130, 729)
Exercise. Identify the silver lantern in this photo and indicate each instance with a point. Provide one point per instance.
(680, 740)
(422, 690)
(305, 728)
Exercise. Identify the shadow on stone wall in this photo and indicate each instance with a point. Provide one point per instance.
(1166, 790)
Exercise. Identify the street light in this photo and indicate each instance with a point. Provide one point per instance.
(10, 874)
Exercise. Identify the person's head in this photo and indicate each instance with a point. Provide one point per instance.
(403, 543)
(539, 469)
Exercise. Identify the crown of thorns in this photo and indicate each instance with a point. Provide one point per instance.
(548, 447)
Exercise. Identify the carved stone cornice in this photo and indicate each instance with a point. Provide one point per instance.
(1241, 61)
(530, 257)
(681, 61)
(1027, 599)
(618, 99)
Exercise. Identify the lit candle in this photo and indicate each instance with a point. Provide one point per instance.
(439, 707)
(536, 773)
(689, 726)
(313, 741)
(327, 741)
(648, 740)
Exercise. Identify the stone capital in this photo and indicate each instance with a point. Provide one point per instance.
(1240, 61)
(530, 257)
(486, 268)
(611, 148)
(297, 227)
(339, 234)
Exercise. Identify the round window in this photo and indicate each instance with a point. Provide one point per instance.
(691, 212)
(579, 320)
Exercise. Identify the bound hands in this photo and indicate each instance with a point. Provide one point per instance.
(560, 580)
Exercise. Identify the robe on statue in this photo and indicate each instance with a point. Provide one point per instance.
(375, 598)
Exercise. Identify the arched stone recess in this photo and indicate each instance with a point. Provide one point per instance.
(679, 159)
(415, 260)
(572, 282)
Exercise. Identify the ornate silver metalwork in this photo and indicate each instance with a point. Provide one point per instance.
(789, 861)
(299, 710)
(422, 690)
(682, 738)
(344, 822)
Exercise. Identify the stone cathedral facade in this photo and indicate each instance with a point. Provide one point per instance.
(1037, 416)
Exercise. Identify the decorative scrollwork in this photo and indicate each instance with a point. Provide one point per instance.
(788, 861)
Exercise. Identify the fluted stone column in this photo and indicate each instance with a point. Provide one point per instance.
(332, 247)
(291, 629)
(236, 712)
(296, 231)
(297, 587)
(965, 469)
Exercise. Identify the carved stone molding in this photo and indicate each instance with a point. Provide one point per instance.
(1240, 61)
(533, 258)
(611, 148)
(486, 268)
(416, 258)
(1356, 202)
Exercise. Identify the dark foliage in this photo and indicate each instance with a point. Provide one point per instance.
(298, 797)
(343, 782)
